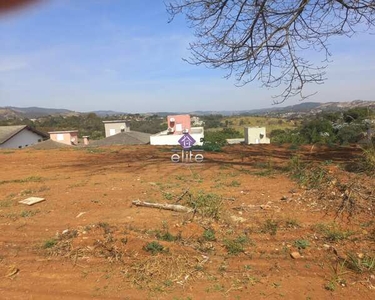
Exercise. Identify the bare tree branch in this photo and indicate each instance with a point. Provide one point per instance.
(270, 40)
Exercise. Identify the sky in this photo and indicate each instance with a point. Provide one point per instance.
(123, 55)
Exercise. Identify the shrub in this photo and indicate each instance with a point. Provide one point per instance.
(209, 235)
(235, 246)
(270, 226)
(208, 205)
(153, 247)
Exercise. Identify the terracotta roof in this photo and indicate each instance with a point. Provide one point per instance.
(7, 132)
(124, 138)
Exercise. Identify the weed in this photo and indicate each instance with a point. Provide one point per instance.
(235, 183)
(168, 196)
(49, 243)
(6, 203)
(26, 192)
(360, 265)
(167, 236)
(307, 175)
(209, 235)
(28, 213)
(367, 163)
(302, 244)
(270, 226)
(153, 247)
(292, 223)
(235, 246)
(105, 226)
(330, 286)
(333, 232)
(208, 205)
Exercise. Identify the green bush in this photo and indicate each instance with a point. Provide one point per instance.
(153, 247)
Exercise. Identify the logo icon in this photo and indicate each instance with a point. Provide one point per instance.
(186, 141)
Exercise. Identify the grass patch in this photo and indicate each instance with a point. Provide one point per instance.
(270, 226)
(209, 235)
(308, 175)
(234, 183)
(27, 179)
(302, 244)
(6, 203)
(207, 205)
(333, 232)
(236, 246)
(360, 265)
(292, 223)
(49, 243)
(167, 236)
(154, 247)
(29, 213)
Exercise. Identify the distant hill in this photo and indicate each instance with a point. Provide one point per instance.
(104, 113)
(32, 112)
(304, 108)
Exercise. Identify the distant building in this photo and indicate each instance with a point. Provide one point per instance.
(196, 121)
(256, 135)
(68, 137)
(115, 126)
(177, 126)
(20, 136)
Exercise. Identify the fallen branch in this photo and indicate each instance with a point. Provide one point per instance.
(174, 207)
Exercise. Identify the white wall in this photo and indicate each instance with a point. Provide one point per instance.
(23, 138)
(172, 139)
(252, 135)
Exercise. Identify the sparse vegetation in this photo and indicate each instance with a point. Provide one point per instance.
(302, 244)
(49, 243)
(270, 226)
(333, 232)
(209, 235)
(154, 247)
(237, 245)
(362, 264)
(208, 205)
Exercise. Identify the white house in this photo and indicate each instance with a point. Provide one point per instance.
(256, 135)
(115, 126)
(20, 136)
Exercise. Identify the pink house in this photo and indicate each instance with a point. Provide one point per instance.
(178, 124)
(69, 137)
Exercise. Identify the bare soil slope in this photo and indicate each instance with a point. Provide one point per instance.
(87, 241)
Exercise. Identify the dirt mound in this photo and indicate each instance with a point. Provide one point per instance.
(49, 144)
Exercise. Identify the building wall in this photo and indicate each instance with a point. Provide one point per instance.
(181, 122)
(253, 135)
(115, 128)
(23, 138)
(172, 139)
(64, 138)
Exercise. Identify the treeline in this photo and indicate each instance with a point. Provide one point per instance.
(330, 128)
(88, 124)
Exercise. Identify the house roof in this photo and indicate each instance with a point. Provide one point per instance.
(7, 132)
(124, 138)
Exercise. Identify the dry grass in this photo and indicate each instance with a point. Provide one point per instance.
(163, 271)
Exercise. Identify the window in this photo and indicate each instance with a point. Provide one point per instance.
(178, 127)
(60, 137)
(112, 131)
(19, 147)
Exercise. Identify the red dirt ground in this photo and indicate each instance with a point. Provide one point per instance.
(90, 193)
